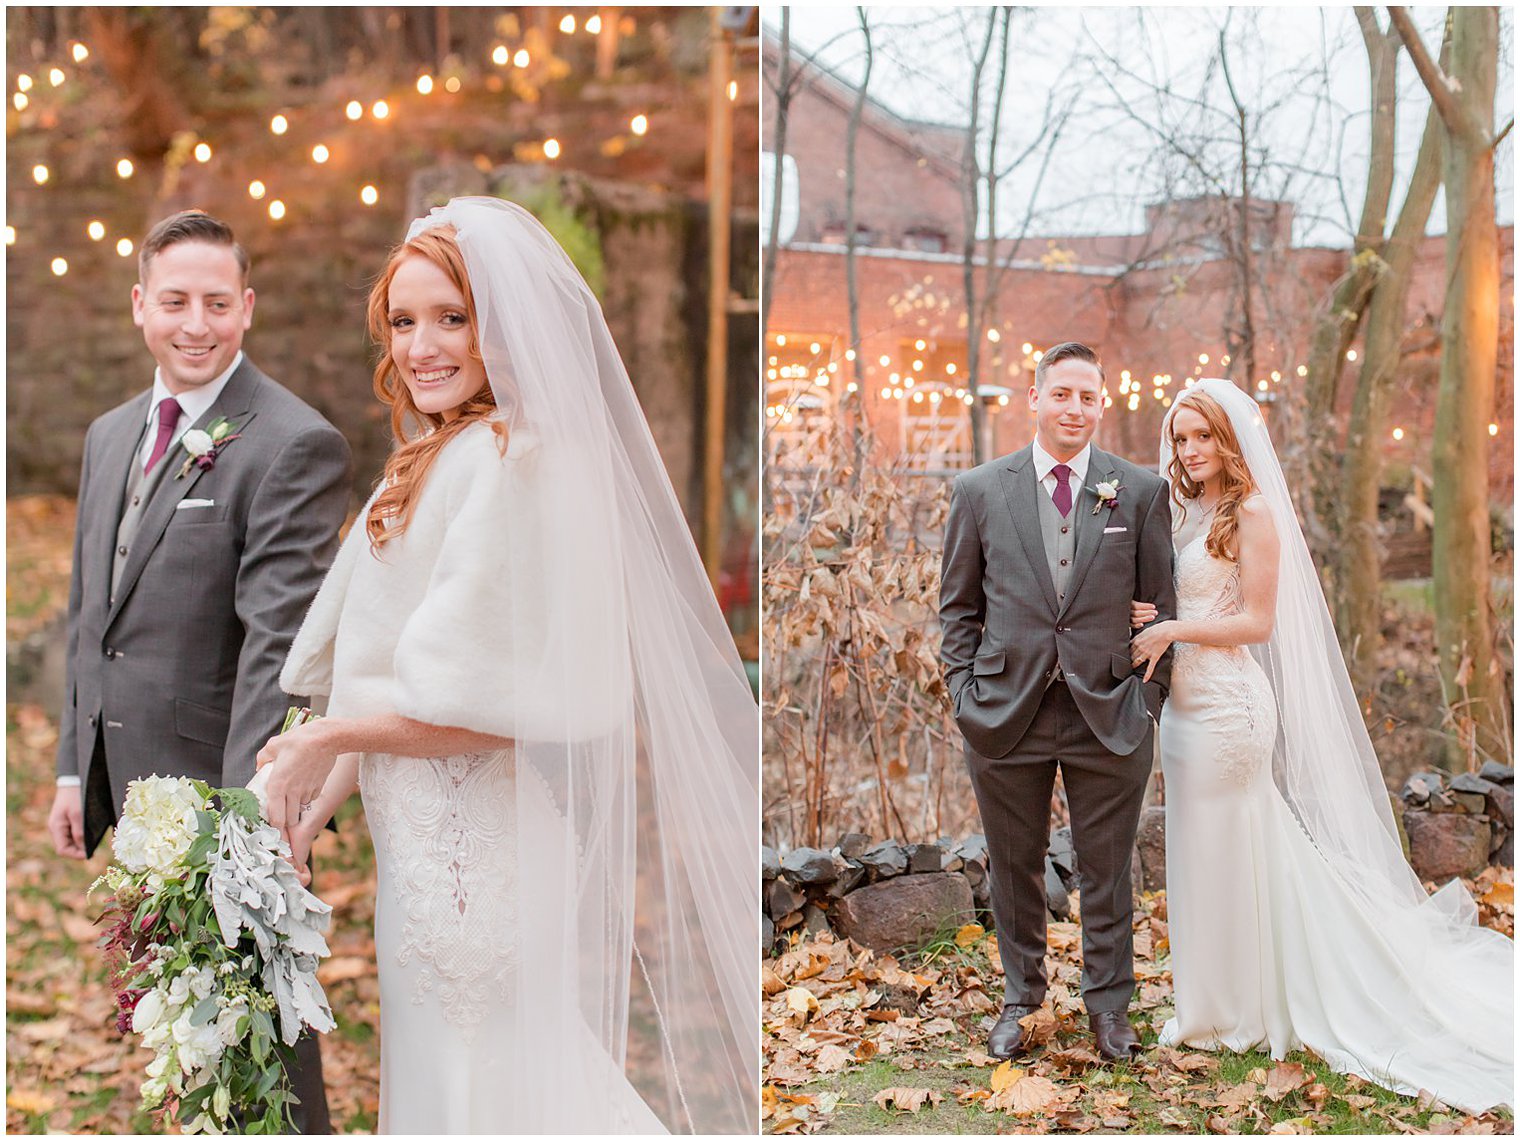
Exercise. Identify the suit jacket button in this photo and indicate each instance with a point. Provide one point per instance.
(136, 499)
(92, 721)
(122, 551)
(110, 654)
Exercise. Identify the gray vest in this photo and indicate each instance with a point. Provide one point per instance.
(140, 489)
(1060, 535)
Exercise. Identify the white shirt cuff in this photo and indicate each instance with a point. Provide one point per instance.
(68, 782)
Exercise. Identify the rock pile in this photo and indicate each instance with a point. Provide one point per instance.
(1459, 825)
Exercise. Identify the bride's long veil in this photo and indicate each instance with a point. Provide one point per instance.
(1460, 993)
(637, 819)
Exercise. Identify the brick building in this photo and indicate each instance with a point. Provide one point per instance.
(1160, 306)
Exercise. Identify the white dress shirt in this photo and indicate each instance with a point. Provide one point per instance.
(1044, 462)
(193, 404)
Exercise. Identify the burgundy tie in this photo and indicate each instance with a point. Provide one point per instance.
(168, 417)
(1062, 494)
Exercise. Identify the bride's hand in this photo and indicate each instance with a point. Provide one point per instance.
(302, 759)
(1140, 613)
(302, 836)
(1148, 646)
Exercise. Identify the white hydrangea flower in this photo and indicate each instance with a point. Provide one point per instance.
(158, 824)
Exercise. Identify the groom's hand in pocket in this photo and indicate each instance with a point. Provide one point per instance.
(66, 821)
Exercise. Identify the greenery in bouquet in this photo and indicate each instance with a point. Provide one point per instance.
(214, 946)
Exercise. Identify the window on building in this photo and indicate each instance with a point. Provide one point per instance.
(926, 240)
(833, 234)
(790, 189)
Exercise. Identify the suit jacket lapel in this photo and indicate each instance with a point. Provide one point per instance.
(1100, 468)
(167, 492)
(1020, 490)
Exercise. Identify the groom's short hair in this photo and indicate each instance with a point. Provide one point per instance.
(1066, 351)
(189, 226)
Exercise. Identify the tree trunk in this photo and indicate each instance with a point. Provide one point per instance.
(1470, 670)
(971, 182)
(773, 238)
(1358, 577)
(852, 286)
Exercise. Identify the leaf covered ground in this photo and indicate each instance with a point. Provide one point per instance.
(860, 1043)
(67, 1070)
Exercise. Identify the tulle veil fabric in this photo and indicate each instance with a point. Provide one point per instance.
(636, 730)
(1461, 976)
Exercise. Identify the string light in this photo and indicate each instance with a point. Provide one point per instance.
(23, 82)
(354, 110)
(424, 84)
(277, 209)
(1493, 429)
(551, 148)
(815, 348)
(521, 59)
(96, 230)
(1038, 355)
(849, 354)
(380, 109)
(320, 154)
(1027, 348)
(1351, 354)
(1261, 386)
(20, 100)
(1203, 358)
(202, 152)
(919, 344)
(256, 189)
(56, 77)
(500, 56)
(950, 369)
(885, 360)
(39, 174)
(451, 85)
(593, 25)
(994, 336)
(1398, 433)
(640, 125)
(733, 90)
(10, 235)
(60, 267)
(279, 124)
(80, 53)
(781, 340)
(369, 196)
(567, 25)
(124, 247)
(852, 387)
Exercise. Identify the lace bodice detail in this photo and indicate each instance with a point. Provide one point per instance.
(448, 825)
(1224, 683)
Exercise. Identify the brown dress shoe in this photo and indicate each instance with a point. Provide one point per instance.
(1008, 1039)
(1117, 1040)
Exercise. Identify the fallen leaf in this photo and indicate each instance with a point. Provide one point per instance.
(1294, 1125)
(971, 932)
(977, 1058)
(30, 1101)
(1027, 1095)
(1501, 894)
(1004, 1076)
(800, 1000)
(902, 1097)
(831, 1059)
(1238, 1097)
(1284, 1079)
(769, 1102)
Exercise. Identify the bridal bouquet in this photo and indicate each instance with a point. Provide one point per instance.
(214, 946)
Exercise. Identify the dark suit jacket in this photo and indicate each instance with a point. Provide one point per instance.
(180, 676)
(1002, 631)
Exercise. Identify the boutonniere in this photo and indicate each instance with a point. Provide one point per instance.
(203, 445)
(1108, 496)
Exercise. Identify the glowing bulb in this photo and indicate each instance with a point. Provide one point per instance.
(97, 230)
(886, 394)
(593, 24)
(551, 148)
(1493, 429)
(23, 82)
(1302, 370)
(277, 209)
(1038, 355)
(639, 125)
(451, 85)
(521, 59)
(80, 53)
(369, 196)
(424, 84)
(919, 344)
(1003, 401)
(202, 152)
(884, 360)
(20, 101)
(500, 56)
(815, 348)
(1203, 358)
(1398, 433)
(124, 247)
(1124, 375)
(1261, 386)
(849, 354)
(279, 124)
(380, 109)
(1351, 354)
(56, 78)
(60, 267)
(733, 90)
(39, 174)
(852, 387)
(256, 189)
(1225, 359)
(994, 336)
(1027, 348)
(1276, 376)
(320, 154)
(781, 339)
(354, 110)
(10, 235)
(567, 25)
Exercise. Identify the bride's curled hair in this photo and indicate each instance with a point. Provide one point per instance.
(1235, 476)
(407, 468)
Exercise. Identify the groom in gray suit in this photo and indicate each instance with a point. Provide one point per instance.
(192, 567)
(1044, 550)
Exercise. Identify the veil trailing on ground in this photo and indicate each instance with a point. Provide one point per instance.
(636, 730)
(1326, 769)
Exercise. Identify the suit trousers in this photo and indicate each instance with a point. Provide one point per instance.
(1105, 793)
(311, 1115)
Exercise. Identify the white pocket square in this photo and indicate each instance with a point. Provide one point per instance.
(1114, 530)
(186, 504)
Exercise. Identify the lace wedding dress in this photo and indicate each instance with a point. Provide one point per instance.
(1271, 948)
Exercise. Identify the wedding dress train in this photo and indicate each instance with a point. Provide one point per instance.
(1270, 946)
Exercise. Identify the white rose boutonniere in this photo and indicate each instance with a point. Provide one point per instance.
(1108, 495)
(202, 446)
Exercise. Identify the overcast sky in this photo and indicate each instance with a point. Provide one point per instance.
(1301, 72)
